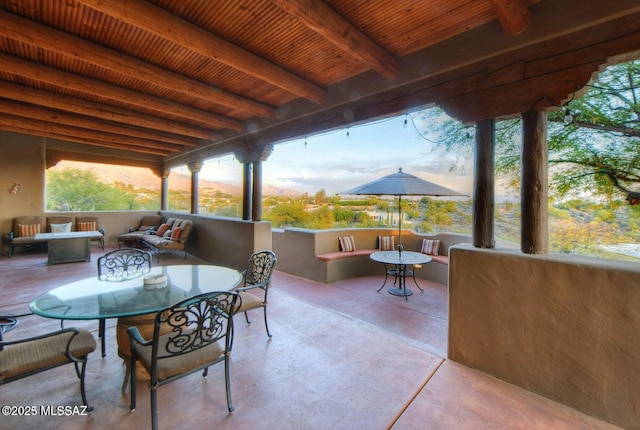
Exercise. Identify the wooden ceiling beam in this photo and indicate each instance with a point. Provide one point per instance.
(31, 70)
(48, 115)
(47, 38)
(513, 15)
(75, 105)
(90, 142)
(320, 18)
(80, 134)
(167, 26)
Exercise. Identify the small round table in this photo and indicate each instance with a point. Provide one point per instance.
(400, 259)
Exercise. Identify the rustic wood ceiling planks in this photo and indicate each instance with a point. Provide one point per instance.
(169, 82)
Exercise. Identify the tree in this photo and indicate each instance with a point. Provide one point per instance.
(80, 190)
(594, 140)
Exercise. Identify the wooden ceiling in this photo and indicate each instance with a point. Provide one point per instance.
(168, 82)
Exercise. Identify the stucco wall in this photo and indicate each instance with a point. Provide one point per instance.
(565, 327)
(23, 162)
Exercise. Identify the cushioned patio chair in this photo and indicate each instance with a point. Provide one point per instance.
(29, 356)
(120, 265)
(257, 278)
(201, 335)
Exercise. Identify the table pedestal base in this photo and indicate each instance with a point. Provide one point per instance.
(400, 292)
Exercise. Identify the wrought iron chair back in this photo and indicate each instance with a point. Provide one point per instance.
(123, 264)
(257, 276)
(115, 266)
(189, 336)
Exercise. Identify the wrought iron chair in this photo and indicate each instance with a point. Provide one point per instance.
(200, 335)
(29, 356)
(257, 276)
(120, 265)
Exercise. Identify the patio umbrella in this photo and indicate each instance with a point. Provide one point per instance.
(401, 184)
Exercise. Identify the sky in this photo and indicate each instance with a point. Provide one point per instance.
(336, 161)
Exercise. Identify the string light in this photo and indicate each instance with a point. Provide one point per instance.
(348, 135)
(568, 118)
(406, 124)
(305, 142)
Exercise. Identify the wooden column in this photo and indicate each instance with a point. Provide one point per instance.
(247, 191)
(164, 190)
(533, 191)
(256, 206)
(484, 185)
(194, 168)
(252, 157)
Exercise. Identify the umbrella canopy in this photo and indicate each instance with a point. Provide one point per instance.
(402, 184)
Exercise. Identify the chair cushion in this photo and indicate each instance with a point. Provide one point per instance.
(249, 301)
(177, 364)
(31, 356)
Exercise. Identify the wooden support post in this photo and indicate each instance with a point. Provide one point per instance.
(246, 191)
(484, 185)
(534, 188)
(194, 168)
(256, 207)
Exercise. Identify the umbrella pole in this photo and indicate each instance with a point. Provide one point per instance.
(400, 224)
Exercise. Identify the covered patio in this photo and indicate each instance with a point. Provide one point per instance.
(342, 356)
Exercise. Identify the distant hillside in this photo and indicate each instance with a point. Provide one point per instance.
(144, 178)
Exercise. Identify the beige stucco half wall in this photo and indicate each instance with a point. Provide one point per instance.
(565, 327)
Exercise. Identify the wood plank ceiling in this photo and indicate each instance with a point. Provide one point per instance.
(166, 82)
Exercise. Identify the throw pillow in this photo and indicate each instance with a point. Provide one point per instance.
(386, 243)
(167, 234)
(61, 228)
(175, 233)
(347, 244)
(88, 226)
(162, 229)
(430, 247)
(28, 230)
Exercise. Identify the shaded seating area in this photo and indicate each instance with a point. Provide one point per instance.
(31, 355)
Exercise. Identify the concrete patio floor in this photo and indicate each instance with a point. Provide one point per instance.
(342, 357)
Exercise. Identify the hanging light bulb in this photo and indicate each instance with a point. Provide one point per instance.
(405, 121)
(348, 136)
(305, 142)
(568, 117)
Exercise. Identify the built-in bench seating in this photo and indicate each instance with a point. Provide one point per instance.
(317, 254)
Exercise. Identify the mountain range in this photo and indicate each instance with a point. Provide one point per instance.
(144, 178)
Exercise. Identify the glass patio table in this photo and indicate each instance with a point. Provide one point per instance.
(400, 260)
(92, 298)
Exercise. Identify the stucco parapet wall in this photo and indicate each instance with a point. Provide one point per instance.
(562, 326)
(297, 249)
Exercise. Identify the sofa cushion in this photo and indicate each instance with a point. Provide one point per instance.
(61, 228)
(347, 243)
(162, 229)
(386, 243)
(87, 226)
(430, 246)
(28, 230)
